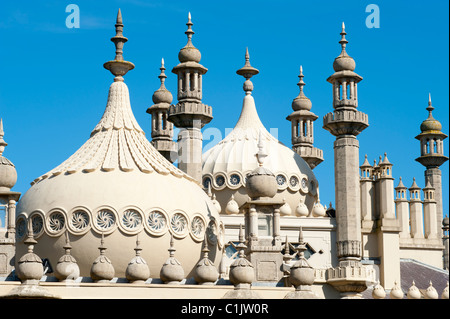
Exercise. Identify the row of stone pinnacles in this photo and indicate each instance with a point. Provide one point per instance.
(413, 292)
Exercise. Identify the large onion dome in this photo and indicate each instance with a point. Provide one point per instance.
(117, 185)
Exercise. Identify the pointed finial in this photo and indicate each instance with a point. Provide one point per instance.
(247, 71)
(162, 76)
(118, 66)
(343, 41)
(2, 141)
(189, 31)
(261, 155)
(300, 83)
(430, 107)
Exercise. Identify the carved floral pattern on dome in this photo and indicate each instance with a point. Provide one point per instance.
(198, 228)
(179, 225)
(21, 227)
(79, 222)
(105, 220)
(235, 179)
(131, 220)
(281, 180)
(156, 223)
(56, 222)
(37, 224)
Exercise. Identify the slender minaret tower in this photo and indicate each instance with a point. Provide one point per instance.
(346, 123)
(190, 114)
(302, 120)
(432, 157)
(8, 200)
(162, 129)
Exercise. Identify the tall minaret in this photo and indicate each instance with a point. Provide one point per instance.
(302, 120)
(8, 200)
(432, 157)
(346, 123)
(162, 129)
(190, 114)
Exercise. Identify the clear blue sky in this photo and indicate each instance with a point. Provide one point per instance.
(54, 87)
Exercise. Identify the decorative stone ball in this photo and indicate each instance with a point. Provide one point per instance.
(302, 210)
(261, 183)
(137, 270)
(102, 269)
(189, 53)
(445, 292)
(301, 103)
(318, 210)
(301, 274)
(162, 95)
(285, 210)
(396, 292)
(232, 207)
(171, 271)
(378, 292)
(344, 62)
(8, 174)
(67, 268)
(431, 292)
(430, 124)
(413, 292)
(241, 272)
(205, 272)
(30, 267)
(216, 204)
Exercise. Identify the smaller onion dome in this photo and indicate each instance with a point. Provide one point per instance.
(343, 61)
(241, 270)
(378, 292)
(414, 292)
(285, 209)
(30, 269)
(205, 273)
(67, 268)
(301, 102)
(102, 269)
(430, 124)
(232, 206)
(171, 272)
(301, 274)
(137, 270)
(445, 292)
(318, 210)
(162, 95)
(301, 210)
(396, 291)
(189, 52)
(8, 173)
(431, 292)
(216, 203)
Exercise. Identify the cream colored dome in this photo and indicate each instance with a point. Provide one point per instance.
(118, 184)
(227, 164)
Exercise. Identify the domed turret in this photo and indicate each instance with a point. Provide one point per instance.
(343, 61)
(189, 53)
(8, 174)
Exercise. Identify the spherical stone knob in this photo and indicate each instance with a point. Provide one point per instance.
(8, 174)
(301, 274)
(171, 272)
(344, 62)
(378, 292)
(67, 268)
(302, 210)
(205, 273)
(241, 272)
(102, 269)
(261, 183)
(189, 54)
(137, 270)
(30, 268)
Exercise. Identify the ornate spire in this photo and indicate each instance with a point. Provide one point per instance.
(343, 40)
(3, 144)
(262, 154)
(137, 270)
(67, 267)
(119, 67)
(301, 102)
(247, 71)
(189, 32)
(162, 95)
(189, 53)
(171, 272)
(102, 269)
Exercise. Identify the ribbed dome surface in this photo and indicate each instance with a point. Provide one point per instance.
(118, 184)
(227, 163)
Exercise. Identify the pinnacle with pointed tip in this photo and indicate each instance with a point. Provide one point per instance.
(2, 141)
(189, 32)
(119, 67)
(343, 41)
(300, 83)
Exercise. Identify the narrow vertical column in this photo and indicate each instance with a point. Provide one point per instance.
(415, 210)
(402, 209)
(431, 224)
